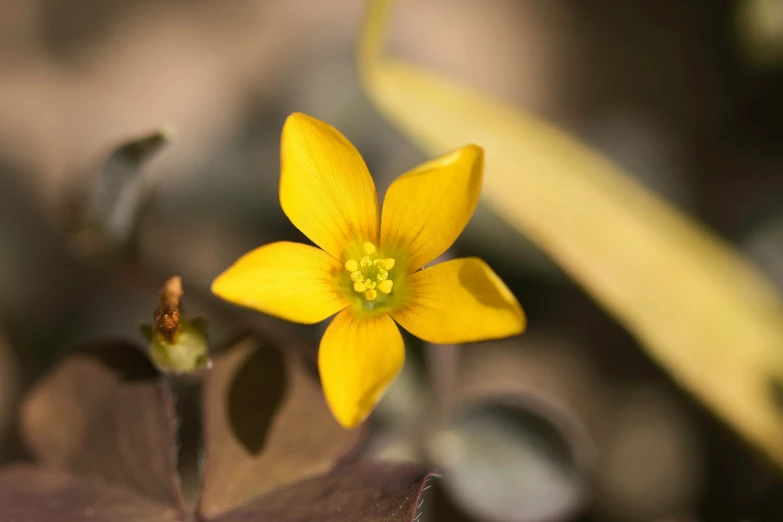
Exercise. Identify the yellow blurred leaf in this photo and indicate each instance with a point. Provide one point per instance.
(702, 310)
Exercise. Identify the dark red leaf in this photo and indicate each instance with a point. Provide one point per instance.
(104, 413)
(266, 425)
(357, 493)
(116, 196)
(30, 494)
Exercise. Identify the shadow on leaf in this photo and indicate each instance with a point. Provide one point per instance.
(255, 396)
(125, 360)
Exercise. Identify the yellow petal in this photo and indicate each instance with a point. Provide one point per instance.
(425, 210)
(358, 359)
(460, 301)
(288, 280)
(325, 187)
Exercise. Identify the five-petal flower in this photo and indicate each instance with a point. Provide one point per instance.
(369, 273)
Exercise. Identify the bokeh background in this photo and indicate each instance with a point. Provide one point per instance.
(571, 421)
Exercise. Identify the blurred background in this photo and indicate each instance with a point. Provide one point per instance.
(571, 421)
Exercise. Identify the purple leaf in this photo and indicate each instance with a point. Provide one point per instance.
(104, 413)
(356, 493)
(266, 425)
(30, 494)
(275, 454)
(117, 193)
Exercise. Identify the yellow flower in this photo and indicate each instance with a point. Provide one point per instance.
(371, 272)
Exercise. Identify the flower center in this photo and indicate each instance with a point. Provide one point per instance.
(370, 274)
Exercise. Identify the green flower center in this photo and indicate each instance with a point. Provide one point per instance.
(370, 274)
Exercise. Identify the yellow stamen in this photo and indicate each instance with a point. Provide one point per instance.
(370, 272)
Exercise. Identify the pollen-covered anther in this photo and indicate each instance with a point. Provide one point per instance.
(370, 272)
(386, 286)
